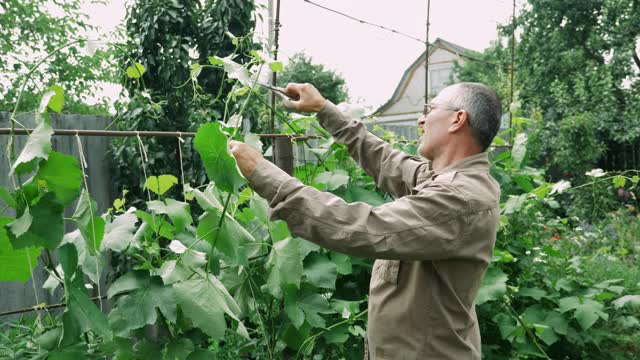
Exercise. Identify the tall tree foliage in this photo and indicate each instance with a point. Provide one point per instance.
(166, 39)
(29, 30)
(301, 69)
(583, 48)
(577, 65)
(580, 58)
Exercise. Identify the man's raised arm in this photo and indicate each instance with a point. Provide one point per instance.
(393, 170)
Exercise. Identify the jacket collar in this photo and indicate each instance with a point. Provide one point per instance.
(477, 162)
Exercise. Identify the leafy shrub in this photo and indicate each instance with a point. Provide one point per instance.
(544, 295)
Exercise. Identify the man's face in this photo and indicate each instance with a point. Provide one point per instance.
(435, 125)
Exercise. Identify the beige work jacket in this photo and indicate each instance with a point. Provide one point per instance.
(433, 244)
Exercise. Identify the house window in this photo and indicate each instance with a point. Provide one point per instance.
(438, 80)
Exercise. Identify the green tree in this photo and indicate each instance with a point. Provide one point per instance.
(167, 38)
(578, 46)
(579, 57)
(576, 63)
(301, 69)
(28, 32)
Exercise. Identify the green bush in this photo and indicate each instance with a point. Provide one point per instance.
(561, 287)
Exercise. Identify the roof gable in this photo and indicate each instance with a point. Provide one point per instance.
(438, 44)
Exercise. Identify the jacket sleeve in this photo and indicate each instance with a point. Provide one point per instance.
(393, 170)
(426, 226)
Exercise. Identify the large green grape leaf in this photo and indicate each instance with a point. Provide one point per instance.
(211, 144)
(627, 322)
(233, 69)
(181, 269)
(81, 314)
(343, 263)
(138, 308)
(49, 339)
(179, 349)
(331, 180)
(534, 293)
(153, 225)
(132, 280)
(241, 288)
(536, 315)
(284, 265)
(291, 308)
(61, 174)
(136, 348)
(15, 265)
(46, 227)
(56, 102)
(38, 147)
(337, 335)
(178, 212)
(91, 227)
(585, 311)
(278, 230)
(21, 224)
(295, 338)
(233, 241)
(205, 301)
(632, 301)
(261, 208)
(7, 197)
(160, 184)
(206, 199)
(119, 234)
(307, 247)
(493, 286)
(507, 325)
(91, 265)
(173, 271)
(305, 304)
(320, 271)
(557, 322)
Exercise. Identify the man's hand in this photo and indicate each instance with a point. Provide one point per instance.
(246, 156)
(309, 98)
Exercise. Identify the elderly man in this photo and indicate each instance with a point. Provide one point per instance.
(433, 244)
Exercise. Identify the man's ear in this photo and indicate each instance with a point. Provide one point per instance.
(460, 118)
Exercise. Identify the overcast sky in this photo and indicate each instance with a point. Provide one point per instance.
(371, 60)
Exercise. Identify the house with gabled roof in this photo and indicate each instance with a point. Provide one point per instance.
(406, 104)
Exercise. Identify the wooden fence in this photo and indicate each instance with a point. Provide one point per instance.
(16, 295)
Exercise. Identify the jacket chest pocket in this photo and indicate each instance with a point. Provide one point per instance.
(387, 270)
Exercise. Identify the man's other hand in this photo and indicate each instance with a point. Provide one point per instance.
(246, 156)
(309, 98)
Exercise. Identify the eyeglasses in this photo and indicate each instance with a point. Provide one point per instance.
(429, 107)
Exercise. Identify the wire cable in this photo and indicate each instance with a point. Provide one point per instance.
(431, 45)
(366, 22)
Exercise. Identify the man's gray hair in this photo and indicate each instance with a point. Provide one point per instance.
(484, 108)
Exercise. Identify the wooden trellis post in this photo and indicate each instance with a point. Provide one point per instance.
(283, 157)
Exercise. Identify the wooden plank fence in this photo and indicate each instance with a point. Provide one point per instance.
(16, 295)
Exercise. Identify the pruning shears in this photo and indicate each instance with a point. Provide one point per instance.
(285, 98)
